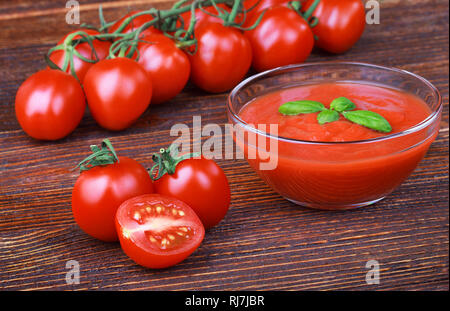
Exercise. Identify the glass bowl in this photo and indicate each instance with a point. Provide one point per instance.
(325, 175)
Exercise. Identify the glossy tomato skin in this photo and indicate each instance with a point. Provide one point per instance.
(168, 66)
(158, 238)
(222, 59)
(283, 37)
(341, 24)
(201, 184)
(98, 193)
(80, 66)
(202, 17)
(135, 24)
(49, 104)
(118, 91)
(260, 5)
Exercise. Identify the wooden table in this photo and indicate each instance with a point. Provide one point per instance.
(265, 242)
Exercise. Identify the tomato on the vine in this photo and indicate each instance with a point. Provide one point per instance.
(282, 37)
(99, 191)
(135, 24)
(49, 104)
(118, 91)
(222, 59)
(80, 66)
(201, 15)
(199, 182)
(257, 6)
(340, 23)
(168, 66)
(158, 231)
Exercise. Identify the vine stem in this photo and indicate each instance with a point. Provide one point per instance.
(183, 38)
(311, 9)
(233, 13)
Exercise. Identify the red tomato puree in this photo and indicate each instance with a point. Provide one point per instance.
(339, 175)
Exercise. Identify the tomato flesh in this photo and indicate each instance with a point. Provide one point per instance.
(200, 183)
(158, 231)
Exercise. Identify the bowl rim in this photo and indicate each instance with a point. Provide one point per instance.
(426, 122)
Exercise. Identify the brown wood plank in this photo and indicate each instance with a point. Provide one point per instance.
(264, 242)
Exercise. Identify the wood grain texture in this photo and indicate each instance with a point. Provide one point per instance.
(265, 242)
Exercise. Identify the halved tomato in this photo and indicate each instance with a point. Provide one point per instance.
(158, 231)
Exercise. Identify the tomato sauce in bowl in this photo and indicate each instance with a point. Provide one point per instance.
(337, 165)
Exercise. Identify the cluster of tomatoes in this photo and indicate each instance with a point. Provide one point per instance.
(230, 37)
(159, 218)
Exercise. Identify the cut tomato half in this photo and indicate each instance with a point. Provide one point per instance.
(158, 231)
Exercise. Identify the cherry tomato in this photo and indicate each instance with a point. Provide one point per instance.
(118, 91)
(222, 59)
(283, 37)
(201, 16)
(201, 184)
(99, 191)
(135, 24)
(158, 231)
(167, 65)
(80, 66)
(258, 6)
(341, 23)
(49, 104)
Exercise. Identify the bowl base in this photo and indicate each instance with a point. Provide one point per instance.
(334, 207)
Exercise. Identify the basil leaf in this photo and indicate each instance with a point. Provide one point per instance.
(301, 106)
(368, 119)
(342, 104)
(327, 116)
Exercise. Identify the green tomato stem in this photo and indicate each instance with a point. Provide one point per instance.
(166, 161)
(311, 10)
(100, 156)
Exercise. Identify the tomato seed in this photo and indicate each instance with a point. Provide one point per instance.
(137, 216)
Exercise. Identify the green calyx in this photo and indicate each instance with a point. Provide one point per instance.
(307, 15)
(103, 155)
(167, 160)
(339, 106)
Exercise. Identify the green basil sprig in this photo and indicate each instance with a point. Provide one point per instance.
(341, 105)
